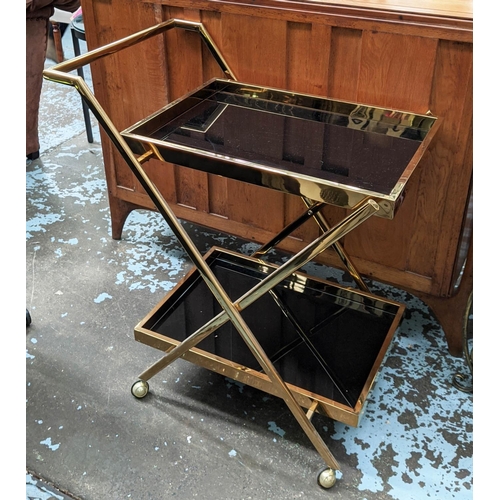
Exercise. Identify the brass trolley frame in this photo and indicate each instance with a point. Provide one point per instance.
(363, 204)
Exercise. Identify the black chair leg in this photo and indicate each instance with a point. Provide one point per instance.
(86, 112)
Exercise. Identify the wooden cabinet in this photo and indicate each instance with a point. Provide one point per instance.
(409, 55)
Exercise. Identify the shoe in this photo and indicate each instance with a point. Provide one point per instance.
(33, 156)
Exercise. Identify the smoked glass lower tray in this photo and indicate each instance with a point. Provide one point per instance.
(327, 342)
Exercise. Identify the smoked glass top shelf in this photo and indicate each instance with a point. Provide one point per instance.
(325, 150)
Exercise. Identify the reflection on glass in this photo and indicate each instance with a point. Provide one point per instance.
(320, 337)
(364, 147)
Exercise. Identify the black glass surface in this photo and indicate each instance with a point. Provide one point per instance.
(320, 337)
(359, 146)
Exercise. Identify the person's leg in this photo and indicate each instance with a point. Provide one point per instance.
(36, 44)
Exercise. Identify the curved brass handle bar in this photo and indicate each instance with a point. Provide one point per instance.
(58, 73)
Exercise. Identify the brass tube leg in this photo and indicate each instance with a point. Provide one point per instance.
(349, 265)
(58, 73)
(286, 395)
(156, 196)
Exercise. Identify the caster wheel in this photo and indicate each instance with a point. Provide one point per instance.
(140, 389)
(327, 478)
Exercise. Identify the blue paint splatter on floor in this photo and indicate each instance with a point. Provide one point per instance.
(274, 428)
(48, 443)
(102, 297)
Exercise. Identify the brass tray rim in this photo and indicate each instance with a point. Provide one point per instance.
(388, 202)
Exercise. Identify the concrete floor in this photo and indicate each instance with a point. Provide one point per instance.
(197, 434)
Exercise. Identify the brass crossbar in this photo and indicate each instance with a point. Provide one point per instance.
(267, 284)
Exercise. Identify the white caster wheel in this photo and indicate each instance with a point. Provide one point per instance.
(140, 389)
(327, 478)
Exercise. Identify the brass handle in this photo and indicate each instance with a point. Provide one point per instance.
(59, 72)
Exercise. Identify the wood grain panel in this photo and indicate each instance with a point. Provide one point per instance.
(395, 71)
(444, 186)
(256, 50)
(381, 19)
(185, 72)
(308, 54)
(343, 77)
(345, 61)
(217, 185)
(119, 82)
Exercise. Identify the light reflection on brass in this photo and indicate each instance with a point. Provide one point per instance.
(145, 157)
(312, 409)
(312, 210)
